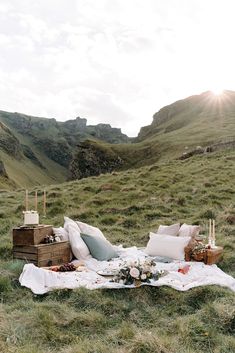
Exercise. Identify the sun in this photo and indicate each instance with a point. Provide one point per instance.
(217, 91)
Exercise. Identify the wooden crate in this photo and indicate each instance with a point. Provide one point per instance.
(210, 257)
(214, 255)
(31, 235)
(43, 255)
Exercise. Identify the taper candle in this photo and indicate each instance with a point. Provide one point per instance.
(26, 200)
(213, 231)
(36, 200)
(44, 202)
(209, 231)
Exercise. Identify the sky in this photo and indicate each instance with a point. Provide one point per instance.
(112, 61)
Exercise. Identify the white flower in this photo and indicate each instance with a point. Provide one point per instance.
(147, 268)
(134, 272)
(143, 276)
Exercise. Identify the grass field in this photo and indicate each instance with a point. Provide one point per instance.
(126, 206)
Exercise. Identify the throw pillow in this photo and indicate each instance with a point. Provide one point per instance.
(167, 245)
(99, 248)
(169, 230)
(90, 230)
(68, 221)
(187, 230)
(79, 248)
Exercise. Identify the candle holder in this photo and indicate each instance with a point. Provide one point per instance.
(211, 237)
(212, 243)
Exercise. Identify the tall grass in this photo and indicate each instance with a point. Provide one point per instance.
(142, 320)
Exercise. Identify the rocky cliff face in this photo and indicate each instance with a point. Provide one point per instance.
(78, 130)
(28, 153)
(93, 159)
(58, 140)
(3, 172)
(59, 151)
(107, 133)
(73, 131)
(45, 141)
(9, 143)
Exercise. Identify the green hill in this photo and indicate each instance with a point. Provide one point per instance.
(204, 120)
(38, 151)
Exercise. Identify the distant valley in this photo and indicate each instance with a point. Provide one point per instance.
(36, 151)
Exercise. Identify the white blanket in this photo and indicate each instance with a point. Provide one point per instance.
(41, 281)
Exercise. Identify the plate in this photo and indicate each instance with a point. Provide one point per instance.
(107, 272)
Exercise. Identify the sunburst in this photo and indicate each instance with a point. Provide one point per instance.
(217, 91)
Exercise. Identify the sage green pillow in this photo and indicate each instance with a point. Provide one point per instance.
(99, 248)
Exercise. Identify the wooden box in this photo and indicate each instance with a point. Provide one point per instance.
(31, 235)
(214, 255)
(201, 257)
(43, 255)
(210, 257)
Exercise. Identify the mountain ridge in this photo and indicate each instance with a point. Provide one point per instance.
(206, 102)
(45, 145)
(56, 154)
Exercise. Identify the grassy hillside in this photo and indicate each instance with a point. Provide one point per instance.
(45, 147)
(50, 147)
(202, 120)
(126, 206)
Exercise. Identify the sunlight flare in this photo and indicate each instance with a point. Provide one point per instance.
(217, 91)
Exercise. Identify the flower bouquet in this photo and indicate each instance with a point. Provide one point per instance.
(137, 272)
(199, 252)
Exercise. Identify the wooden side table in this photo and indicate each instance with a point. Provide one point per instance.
(214, 255)
(210, 257)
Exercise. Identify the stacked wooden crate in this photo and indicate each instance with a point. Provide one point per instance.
(28, 245)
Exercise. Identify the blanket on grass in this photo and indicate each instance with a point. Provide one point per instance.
(41, 281)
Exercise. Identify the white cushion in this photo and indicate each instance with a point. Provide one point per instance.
(187, 230)
(68, 221)
(167, 245)
(169, 230)
(93, 231)
(61, 233)
(90, 230)
(78, 246)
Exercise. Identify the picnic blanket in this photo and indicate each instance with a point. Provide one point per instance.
(41, 281)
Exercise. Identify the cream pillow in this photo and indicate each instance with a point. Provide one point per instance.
(187, 230)
(169, 230)
(167, 245)
(78, 246)
(68, 221)
(93, 231)
(90, 230)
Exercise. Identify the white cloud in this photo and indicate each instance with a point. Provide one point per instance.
(115, 61)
